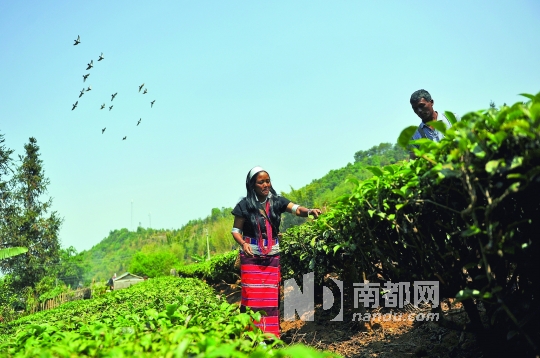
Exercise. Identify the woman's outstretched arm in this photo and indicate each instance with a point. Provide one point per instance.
(298, 210)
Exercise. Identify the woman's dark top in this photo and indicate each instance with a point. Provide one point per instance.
(241, 210)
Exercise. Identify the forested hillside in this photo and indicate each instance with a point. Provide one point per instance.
(154, 252)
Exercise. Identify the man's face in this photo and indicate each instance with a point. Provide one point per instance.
(424, 110)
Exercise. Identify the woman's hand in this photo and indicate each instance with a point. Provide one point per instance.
(247, 249)
(314, 212)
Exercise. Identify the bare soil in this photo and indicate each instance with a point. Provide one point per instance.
(377, 338)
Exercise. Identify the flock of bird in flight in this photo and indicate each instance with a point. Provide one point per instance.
(89, 67)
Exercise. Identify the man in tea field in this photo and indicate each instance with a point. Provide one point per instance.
(422, 105)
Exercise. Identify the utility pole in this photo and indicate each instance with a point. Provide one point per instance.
(207, 245)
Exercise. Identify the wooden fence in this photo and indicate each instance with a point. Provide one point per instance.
(75, 295)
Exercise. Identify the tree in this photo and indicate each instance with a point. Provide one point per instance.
(383, 154)
(153, 264)
(72, 268)
(28, 224)
(5, 166)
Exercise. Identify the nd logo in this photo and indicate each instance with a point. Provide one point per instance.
(304, 302)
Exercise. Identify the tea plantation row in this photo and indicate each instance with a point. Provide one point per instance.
(163, 317)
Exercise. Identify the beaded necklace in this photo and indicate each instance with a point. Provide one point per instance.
(265, 250)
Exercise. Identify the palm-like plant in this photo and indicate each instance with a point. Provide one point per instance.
(11, 251)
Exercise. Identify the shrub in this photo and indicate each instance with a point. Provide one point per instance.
(218, 268)
(464, 214)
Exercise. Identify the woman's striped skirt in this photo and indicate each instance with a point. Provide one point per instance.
(260, 289)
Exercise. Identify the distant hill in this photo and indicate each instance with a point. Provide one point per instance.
(155, 252)
(116, 253)
(321, 193)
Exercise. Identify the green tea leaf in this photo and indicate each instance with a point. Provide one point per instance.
(492, 165)
(516, 176)
(389, 169)
(438, 125)
(406, 135)
(375, 170)
(535, 111)
(529, 96)
(473, 230)
(516, 162)
(478, 151)
(451, 117)
(511, 334)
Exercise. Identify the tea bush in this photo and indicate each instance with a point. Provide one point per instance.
(165, 317)
(464, 214)
(218, 268)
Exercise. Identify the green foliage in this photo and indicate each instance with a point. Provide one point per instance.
(52, 293)
(198, 258)
(464, 214)
(26, 221)
(323, 193)
(381, 155)
(153, 264)
(9, 302)
(5, 168)
(218, 268)
(116, 252)
(167, 317)
(12, 251)
(45, 289)
(72, 268)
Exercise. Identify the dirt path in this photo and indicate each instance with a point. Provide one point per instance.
(377, 338)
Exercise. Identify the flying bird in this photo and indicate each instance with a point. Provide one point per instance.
(101, 57)
(110, 108)
(124, 138)
(140, 87)
(89, 88)
(103, 130)
(152, 103)
(145, 91)
(102, 106)
(82, 92)
(85, 77)
(78, 41)
(75, 105)
(139, 122)
(90, 65)
(113, 95)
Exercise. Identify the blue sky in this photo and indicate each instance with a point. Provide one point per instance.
(294, 86)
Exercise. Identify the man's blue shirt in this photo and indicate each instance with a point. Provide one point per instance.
(432, 133)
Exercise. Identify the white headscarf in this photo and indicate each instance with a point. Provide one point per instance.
(254, 171)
